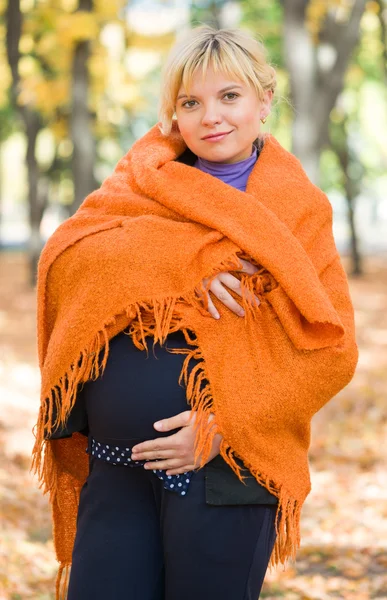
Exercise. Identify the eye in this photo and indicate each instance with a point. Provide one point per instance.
(188, 103)
(231, 94)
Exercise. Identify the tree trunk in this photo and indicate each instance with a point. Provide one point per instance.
(339, 143)
(80, 122)
(382, 14)
(357, 263)
(32, 125)
(1, 194)
(316, 77)
(350, 194)
(351, 191)
(300, 58)
(36, 210)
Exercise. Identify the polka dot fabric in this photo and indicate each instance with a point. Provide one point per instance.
(121, 455)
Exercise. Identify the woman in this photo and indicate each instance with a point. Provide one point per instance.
(197, 463)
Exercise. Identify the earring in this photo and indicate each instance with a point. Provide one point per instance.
(263, 121)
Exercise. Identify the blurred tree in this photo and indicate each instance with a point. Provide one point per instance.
(351, 129)
(319, 38)
(58, 62)
(7, 113)
(69, 84)
(265, 20)
(32, 124)
(207, 11)
(352, 174)
(382, 14)
(6, 127)
(82, 136)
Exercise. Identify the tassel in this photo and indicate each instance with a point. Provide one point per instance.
(61, 586)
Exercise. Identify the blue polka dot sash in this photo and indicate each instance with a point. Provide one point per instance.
(121, 455)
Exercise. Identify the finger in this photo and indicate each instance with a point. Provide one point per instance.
(225, 297)
(157, 445)
(212, 308)
(234, 284)
(231, 281)
(180, 420)
(163, 465)
(248, 267)
(180, 470)
(207, 302)
(170, 453)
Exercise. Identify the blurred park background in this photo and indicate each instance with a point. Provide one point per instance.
(79, 83)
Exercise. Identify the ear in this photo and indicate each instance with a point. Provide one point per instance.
(267, 99)
(266, 103)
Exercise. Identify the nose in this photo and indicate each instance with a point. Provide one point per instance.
(211, 116)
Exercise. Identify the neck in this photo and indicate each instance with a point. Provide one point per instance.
(234, 174)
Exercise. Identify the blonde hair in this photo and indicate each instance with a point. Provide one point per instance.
(230, 51)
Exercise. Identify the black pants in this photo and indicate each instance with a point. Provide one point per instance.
(137, 541)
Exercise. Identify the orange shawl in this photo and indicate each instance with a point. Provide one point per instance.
(135, 254)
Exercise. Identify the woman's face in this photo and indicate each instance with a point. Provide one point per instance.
(220, 105)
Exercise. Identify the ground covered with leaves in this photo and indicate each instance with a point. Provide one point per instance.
(344, 519)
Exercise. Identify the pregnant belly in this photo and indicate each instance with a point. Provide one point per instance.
(136, 390)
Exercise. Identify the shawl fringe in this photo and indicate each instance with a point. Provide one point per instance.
(62, 581)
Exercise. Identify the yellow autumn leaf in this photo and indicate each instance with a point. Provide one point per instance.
(60, 129)
(127, 94)
(44, 15)
(44, 95)
(102, 129)
(47, 44)
(97, 65)
(373, 6)
(317, 11)
(154, 42)
(60, 59)
(78, 27)
(108, 10)
(5, 78)
(28, 66)
(27, 93)
(66, 5)
(26, 43)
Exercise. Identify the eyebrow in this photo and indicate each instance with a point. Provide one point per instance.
(229, 87)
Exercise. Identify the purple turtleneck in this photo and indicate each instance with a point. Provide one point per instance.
(235, 174)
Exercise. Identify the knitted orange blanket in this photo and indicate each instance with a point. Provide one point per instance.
(135, 254)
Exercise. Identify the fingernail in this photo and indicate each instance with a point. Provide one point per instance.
(158, 425)
(241, 313)
(217, 316)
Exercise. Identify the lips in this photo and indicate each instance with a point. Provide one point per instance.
(215, 136)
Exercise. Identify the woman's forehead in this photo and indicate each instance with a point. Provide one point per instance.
(210, 79)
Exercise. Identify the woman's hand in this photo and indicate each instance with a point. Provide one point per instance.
(174, 452)
(223, 295)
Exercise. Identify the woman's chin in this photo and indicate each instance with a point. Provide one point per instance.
(219, 155)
